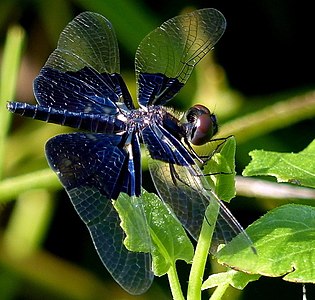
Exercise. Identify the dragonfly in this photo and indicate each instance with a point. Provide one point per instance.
(80, 86)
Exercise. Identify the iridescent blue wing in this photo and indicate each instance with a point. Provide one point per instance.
(95, 168)
(82, 74)
(181, 184)
(166, 57)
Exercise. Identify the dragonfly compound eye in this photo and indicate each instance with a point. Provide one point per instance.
(204, 124)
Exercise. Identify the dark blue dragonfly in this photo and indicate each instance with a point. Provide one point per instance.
(80, 86)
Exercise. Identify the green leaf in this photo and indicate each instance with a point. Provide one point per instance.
(222, 165)
(232, 277)
(151, 227)
(285, 242)
(134, 223)
(286, 167)
(9, 71)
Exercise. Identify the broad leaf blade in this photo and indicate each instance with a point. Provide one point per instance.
(286, 167)
(285, 242)
(222, 165)
(235, 278)
(168, 241)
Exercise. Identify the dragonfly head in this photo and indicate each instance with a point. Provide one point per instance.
(201, 124)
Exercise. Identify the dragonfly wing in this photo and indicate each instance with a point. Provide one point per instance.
(91, 167)
(82, 73)
(89, 40)
(181, 184)
(166, 57)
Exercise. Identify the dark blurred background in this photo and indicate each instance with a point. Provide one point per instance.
(266, 54)
(267, 47)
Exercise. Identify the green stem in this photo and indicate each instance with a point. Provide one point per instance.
(10, 188)
(28, 224)
(202, 252)
(8, 78)
(174, 283)
(270, 118)
(219, 292)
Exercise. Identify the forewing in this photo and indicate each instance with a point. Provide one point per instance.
(91, 167)
(88, 40)
(166, 57)
(181, 184)
(82, 73)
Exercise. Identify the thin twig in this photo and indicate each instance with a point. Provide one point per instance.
(252, 187)
(278, 115)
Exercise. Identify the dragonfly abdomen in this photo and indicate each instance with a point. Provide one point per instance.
(100, 123)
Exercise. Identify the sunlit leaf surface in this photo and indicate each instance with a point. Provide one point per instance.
(285, 243)
(235, 278)
(297, 168)
(168, 241)
(222, 165)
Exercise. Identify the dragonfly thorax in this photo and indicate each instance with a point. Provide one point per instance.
(138, 119)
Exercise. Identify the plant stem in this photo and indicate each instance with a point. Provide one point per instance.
(219, 291)
(201, 253)
(174, 283)
(8, 78)
(252, 187)
(275, 116)
(10, 188)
